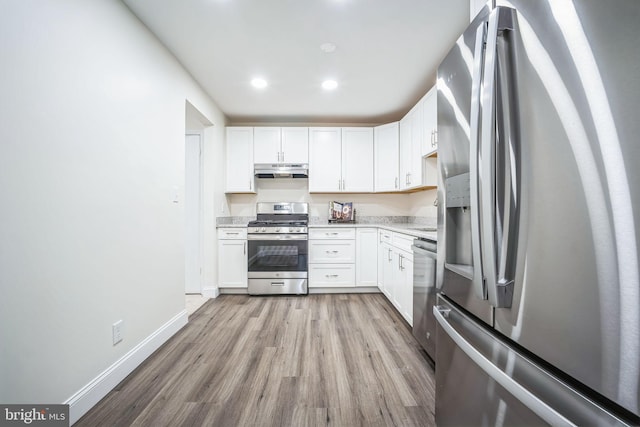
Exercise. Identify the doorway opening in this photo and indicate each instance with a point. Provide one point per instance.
(194, 226)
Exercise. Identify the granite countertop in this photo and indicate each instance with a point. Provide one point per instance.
(416, 230)
(413, 229)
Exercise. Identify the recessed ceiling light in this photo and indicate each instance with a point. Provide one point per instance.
(329, 84)
(259, 83)
(328, 47)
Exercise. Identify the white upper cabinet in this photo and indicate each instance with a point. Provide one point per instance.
(266, 145)
(325, 159)
(341, 160)
(239, 167)
(295, 145)
(416, 177)
(430, 122)
(405, 150)
(387, 157)
(357, 160)
(281, 145)
(411, 162)
(419, 144)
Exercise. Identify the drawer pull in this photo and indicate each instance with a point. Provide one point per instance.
(331, 252)
(330, 275)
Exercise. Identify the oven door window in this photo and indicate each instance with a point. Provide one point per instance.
(277, 255)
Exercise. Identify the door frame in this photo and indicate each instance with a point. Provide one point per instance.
(200, 230)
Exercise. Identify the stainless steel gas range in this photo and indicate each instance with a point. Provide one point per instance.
(277, 249)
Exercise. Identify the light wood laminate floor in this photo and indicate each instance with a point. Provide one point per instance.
(335, 360)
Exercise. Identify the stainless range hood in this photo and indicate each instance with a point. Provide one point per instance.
(281, 170)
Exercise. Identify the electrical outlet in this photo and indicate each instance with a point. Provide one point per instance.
(117, 332)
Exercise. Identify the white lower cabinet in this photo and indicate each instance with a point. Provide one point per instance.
(232, 258)
(402, 272)
(387, 283)
(332, 251)
(384, 255)
(332, 275)
(344, 257)
(367, 257)
(395, 271)
(332, 257)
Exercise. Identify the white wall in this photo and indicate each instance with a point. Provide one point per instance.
(91, 145)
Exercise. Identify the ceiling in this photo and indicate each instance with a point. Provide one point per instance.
(386, 56)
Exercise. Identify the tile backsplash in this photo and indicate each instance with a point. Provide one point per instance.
(381, 208)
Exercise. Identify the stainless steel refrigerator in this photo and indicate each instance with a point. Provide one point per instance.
(539, 216)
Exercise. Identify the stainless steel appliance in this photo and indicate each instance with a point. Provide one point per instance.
(278, 249)
(539, 217)
(281, 170)
(424, 294)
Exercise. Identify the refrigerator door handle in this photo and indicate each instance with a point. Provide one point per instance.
(500, 20)
(508, 164)
(527, 398)
(474, 172)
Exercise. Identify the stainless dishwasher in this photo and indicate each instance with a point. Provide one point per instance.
(424, 294)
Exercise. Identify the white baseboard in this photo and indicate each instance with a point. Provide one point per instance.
(210, 292)
(233, 291)
(83, 400)
(352, 290)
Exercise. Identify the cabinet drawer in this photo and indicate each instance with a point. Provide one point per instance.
(232, 233)
(402, 241)
(335, 233)
(334, 251)
(384, 236)
(332, 275)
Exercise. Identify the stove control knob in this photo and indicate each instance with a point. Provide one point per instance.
(263, 229)
(277, 229)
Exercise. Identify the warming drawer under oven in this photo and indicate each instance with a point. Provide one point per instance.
(277, 264)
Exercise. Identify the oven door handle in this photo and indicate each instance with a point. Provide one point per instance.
(277, 237)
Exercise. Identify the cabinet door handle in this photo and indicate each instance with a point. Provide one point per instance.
(435, 137)
(389, 256)
(343, 186)
(396, 182)
(400, 266)
(282, 156)
(244, 248)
